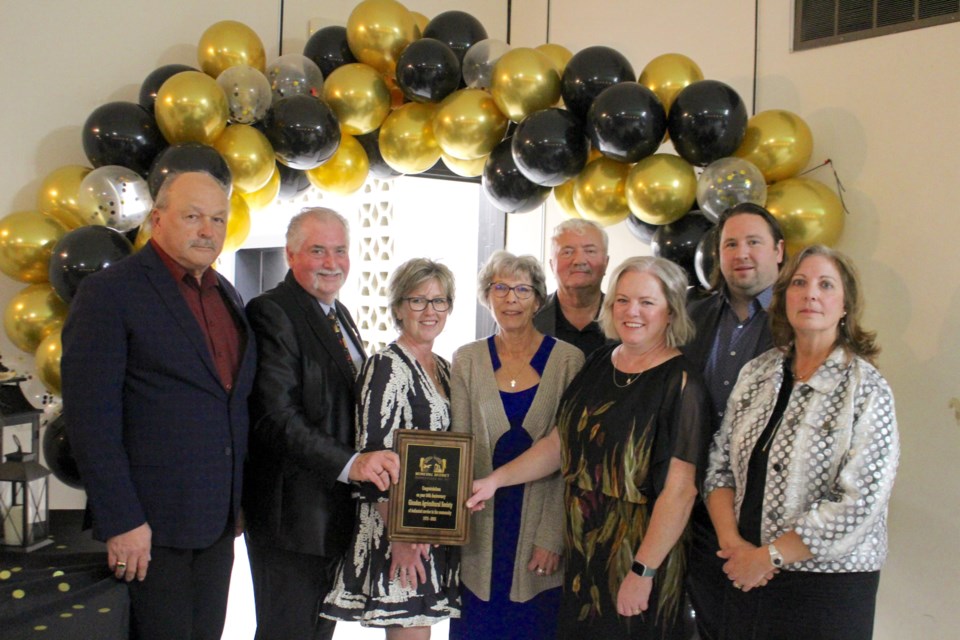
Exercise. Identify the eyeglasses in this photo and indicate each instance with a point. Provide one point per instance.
(522, 291)
(419, 303)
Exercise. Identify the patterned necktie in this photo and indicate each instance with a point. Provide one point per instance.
(332, 317)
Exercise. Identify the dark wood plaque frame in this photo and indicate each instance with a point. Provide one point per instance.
(427, 505)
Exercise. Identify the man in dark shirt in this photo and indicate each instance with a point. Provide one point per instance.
(158, 362)
(732, 329)
(579, 261)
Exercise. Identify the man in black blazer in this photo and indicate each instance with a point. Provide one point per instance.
(732, 329)
(158, 362)
(297, 498)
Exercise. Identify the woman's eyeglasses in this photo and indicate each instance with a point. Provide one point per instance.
(522, 291)
(419, 303)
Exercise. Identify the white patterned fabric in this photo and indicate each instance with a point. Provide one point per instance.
(832, 462)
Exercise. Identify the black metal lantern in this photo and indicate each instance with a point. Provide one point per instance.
(24, 502)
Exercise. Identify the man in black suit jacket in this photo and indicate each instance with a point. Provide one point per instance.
(297, 498)
(732, 329)
(158, 362)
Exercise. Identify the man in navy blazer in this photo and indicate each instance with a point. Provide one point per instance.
(158, 362)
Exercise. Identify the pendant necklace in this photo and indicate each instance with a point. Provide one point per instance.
(513, 375)
(631, 377)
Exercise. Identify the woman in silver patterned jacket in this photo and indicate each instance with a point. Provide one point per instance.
(802, 468)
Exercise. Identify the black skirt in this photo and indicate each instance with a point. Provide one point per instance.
(800, 605)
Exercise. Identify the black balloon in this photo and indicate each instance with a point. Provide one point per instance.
(293, 182)
(428, 71)
(626, 122)
(642, 231)
(122, 133)
(507, 188)
(82, 252)
(706, 258)
(458, 29)
(58, 454)
(186, 157)
(304, 131)
(328, 48)
(151, 84)
(678, 241)
(707, 121)
(588, 73)
(378, 166)
(550, 147)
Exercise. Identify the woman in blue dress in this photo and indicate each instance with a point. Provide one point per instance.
(505, 390)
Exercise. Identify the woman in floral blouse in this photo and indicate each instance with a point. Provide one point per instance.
(802, 468)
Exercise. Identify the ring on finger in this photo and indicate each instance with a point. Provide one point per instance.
(737, 585)
(541, 571)
(121, 565)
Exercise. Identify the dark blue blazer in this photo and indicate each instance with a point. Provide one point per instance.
(156, 435)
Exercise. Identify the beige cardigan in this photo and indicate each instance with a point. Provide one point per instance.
(477, 408)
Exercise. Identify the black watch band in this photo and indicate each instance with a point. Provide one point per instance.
(643, 570)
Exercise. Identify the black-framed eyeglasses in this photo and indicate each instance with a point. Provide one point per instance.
(522, 291)
(419, 303)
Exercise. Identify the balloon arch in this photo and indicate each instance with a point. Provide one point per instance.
(394, 93)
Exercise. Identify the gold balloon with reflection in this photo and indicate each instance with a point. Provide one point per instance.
(468, 124)
(661, 188)
(191, 107)
(59, 195)
(778, 142)
(523, 81)
(407, 143)
(378, 31)
(27, 239)
(599, 192)
(421, 21)
(358, 96)
(228, 43)
(47, 360)
(558, 54)
(249, 155)
(144, 233)
(33, 314)
(263, 197)
(808, 211)
(345, 172)
(238, 224)
(464, 168)
(563, 194)
(667, 74)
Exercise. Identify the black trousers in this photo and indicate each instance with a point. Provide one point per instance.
(707, 584)
(184, 596)
(288, 588)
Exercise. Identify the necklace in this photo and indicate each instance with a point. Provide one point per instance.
(803, 377)
(515, 373)
(631, 377)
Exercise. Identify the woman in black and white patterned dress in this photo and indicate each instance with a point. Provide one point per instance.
(400, 586)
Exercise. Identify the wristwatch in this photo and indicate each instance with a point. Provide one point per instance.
(643, 570)
(776, 558)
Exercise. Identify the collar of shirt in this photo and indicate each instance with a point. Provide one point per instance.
(760, 303)
(207, 280)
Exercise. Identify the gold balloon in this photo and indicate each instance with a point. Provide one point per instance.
(421, 20)
(27, 239)
(523, 81)
(778, 142)
(667, 74)
(468, 124)
(60, 193)
(378, 31)
(47, 360)
(558, 54)
(358, 96)
(407, 143)
(228, 43)
(809, 212)
(661, 188)
(345, 172)
(464, 168)
(32, 315)
(265, 196)
(144, 233)
(191, 107)
(249, 155)
(563, 194)
(238, 224)
(599, 191)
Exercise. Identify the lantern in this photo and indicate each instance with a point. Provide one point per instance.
(24, 501)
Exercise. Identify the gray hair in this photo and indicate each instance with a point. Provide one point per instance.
(579, 226)
(163, 193)
(410, 275)
(318, 214)
(673, 282)
(504, 263)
